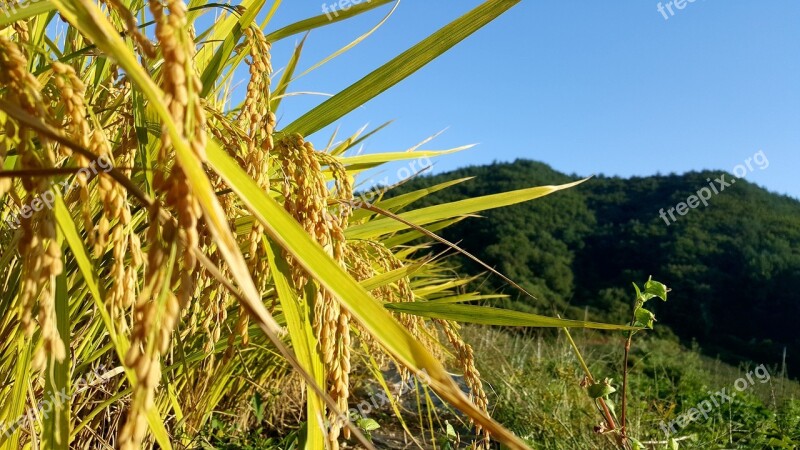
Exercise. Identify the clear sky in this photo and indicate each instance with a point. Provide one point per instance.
(588, 87)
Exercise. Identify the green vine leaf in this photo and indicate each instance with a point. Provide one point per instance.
(655, 289)
(601, 389)
(644, 318)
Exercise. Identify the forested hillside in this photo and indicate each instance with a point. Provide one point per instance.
(733, 266)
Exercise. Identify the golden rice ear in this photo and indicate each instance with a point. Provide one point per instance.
(255, 116)
(41, 261)
(116, 215)
(72, 94)
(466, 359)
(259, 125)
(112, 232)
(400, 292)
(154, 323)
(306, 198)
(132, 27)
(344, 186)
(148, 330)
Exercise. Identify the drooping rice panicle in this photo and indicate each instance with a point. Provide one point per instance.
(151, 340)
(306, 199)
(132, 27)
(466, 359)
(259, 123)
(41, 254)
(72, 93)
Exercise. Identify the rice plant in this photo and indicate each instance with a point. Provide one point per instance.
(167, 252)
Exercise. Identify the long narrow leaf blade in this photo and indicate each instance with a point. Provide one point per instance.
(324, 19)
(494, 316)
(304, 344)
(14, 11)
(399, 68)
(286, 77)
(435, 213)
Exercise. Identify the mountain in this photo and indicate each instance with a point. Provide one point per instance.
(732, 261)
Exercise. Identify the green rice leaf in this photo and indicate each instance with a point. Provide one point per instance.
(494, 316)
(22, 11)
(324, 19)
(398, 68)
(421, 217)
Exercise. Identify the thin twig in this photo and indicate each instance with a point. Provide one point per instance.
(624, 420)
(444, 241)
(47, 172)
(609, 418)
(655, 443)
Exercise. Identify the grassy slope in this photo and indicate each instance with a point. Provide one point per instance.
(535, 384)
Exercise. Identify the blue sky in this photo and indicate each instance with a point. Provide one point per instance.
(587, 87)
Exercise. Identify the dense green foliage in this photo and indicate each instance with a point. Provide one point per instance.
(732, 265)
